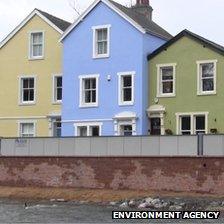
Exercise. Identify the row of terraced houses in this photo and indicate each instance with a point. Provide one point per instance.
(112, 72)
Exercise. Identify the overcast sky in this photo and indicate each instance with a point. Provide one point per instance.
(204, 17)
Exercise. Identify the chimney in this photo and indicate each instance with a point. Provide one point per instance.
(143, 7)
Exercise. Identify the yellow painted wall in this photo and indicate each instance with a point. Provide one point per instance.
(14, 62)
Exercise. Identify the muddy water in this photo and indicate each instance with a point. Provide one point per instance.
(53, 212)
(48, 212)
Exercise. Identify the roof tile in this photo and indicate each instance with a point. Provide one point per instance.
(207, 43)
(60, 23)
(149, 26)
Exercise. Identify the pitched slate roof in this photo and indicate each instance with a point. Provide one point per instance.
(60, 23)
(205, 42)
(149, 26)
(138, 20)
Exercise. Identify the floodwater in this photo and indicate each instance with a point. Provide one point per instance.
(12, 211)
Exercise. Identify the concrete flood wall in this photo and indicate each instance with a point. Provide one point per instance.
(208, 145)
(184, 174)
(101, 146)
(213, 145)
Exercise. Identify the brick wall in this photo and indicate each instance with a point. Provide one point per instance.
(188, 174)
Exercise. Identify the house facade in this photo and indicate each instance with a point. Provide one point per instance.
(31, 77)
(105, 72)
(186, 86)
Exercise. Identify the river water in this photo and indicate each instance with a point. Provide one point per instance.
(12, 211)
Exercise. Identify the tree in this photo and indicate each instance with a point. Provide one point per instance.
(73, 4)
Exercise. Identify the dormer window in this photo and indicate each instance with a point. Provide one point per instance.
(101, 41)
(36, 45)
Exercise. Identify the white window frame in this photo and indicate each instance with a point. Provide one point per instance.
(120, 122)
(123, 123)
(20, 94)
(54, 100)
(20, 122)
(159, 115)
(30, 56)
(81, 78)
(120, 100)
(54, 120)
(199, 77)
(159, 80)
(88, 125)
(95, 28)
(192, 116)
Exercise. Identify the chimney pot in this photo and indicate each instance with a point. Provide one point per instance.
(143, 2)
(143, 7)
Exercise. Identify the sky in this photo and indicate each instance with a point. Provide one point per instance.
(204, 17)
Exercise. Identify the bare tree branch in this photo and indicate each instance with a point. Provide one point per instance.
(73, 5)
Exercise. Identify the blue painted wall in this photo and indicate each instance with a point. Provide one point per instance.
(128, 52)
(150, 43)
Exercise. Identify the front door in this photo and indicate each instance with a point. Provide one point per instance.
(155, 126)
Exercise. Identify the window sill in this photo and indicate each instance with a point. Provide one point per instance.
(27, 104)
(37, 58)
(57, 102)
(166, 96)
(123, 104)
(88, 106)
(21, 137)
(206, 93)
(101, 56)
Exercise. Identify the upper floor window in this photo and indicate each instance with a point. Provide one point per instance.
(36, 45)
(166, 80)
(89, 91)
(101, 41)
(126, 88)
(27, 90)
(57, 89)
(206, 77)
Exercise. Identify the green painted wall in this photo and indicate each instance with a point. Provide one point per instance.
(185, 52)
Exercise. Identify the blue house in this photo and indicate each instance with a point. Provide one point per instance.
(105, 69)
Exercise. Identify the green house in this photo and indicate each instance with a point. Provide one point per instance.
(186, 83)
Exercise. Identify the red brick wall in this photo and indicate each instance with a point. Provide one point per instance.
(204, 175)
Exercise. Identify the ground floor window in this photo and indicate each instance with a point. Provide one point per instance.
(185, 125)
(57, 127)
(90, 129)
(95, 130)
(26, 129)
(126, 130)
(125, 127)
(125, 124)
(82, 131)
(190, 124)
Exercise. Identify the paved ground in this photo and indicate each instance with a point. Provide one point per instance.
(12, 211)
